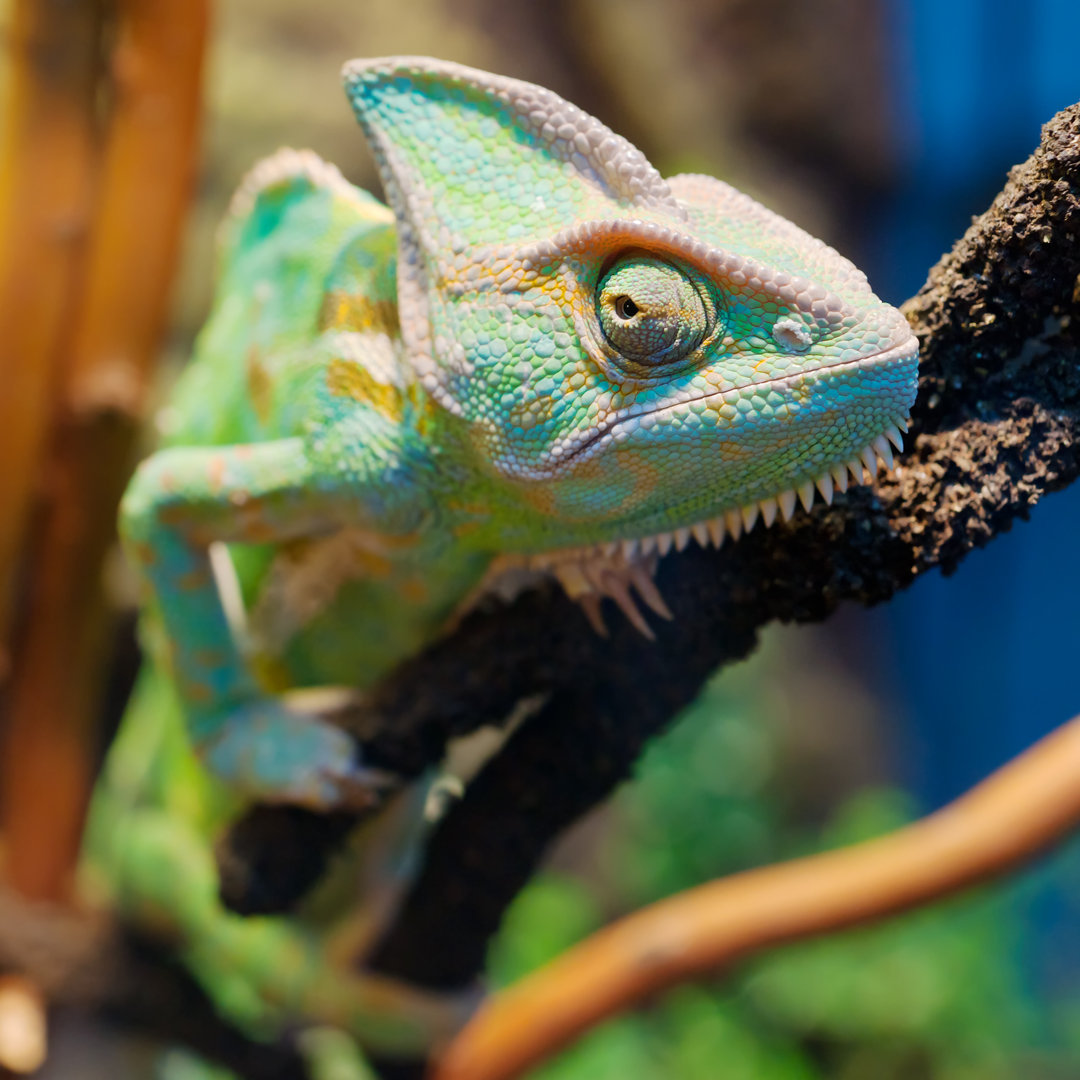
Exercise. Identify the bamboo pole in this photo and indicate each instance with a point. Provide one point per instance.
(112, 329)
(47, 160)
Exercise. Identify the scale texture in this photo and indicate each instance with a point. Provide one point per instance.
(542, 358)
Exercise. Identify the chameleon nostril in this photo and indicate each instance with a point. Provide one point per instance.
(791, 335)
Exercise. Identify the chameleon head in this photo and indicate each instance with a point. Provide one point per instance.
(626, 356)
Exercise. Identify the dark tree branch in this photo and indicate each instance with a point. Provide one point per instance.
(994, 429)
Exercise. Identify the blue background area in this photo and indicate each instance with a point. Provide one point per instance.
(987, 660)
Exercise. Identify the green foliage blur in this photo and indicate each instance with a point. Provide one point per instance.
(934, 995)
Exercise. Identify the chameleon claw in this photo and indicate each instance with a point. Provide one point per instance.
(619, 591)
(590, 605)
(274, 753)
(361, 788)
(648, 592)
(572, 579)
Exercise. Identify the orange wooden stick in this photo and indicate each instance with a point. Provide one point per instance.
(1013, 815)
(112, 324)
(46, 186)
(146, 180)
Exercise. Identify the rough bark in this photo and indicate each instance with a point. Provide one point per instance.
(993, 430)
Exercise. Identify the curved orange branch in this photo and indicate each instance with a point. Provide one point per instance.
(1008, 818)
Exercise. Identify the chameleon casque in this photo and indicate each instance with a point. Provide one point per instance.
(543, 355)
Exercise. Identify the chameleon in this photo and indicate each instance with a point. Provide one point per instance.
(540, 356)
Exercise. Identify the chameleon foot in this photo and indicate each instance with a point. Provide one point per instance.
(275, 754)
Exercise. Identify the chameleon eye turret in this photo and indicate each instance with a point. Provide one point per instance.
(651, 312)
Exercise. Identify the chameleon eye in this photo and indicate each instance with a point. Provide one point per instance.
(651, 312)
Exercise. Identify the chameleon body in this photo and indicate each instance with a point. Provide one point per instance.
(541, 355)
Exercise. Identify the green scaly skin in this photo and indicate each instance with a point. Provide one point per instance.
(542, 355)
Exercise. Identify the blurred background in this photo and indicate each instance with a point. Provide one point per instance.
(882, 127)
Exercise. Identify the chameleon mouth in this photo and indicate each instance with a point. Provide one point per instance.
(573, 453)
(588, 574)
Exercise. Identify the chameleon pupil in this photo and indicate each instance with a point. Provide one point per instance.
(626, 307)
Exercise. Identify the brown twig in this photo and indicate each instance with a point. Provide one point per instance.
(1007, 819)
(108, 334)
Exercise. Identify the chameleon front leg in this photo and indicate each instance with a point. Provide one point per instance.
(180, 502)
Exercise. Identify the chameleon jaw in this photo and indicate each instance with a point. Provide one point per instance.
(589, 574)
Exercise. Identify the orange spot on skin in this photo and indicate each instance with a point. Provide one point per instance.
(176, 515)
(467, 528)
(259, 384)
(347, 311)
(215, 473)
(474, 509)
(259, 532)
(271, 673)
(415, 590)
(346, 378)
(193, 580)
(195, 691)
(533, 413)
(734, 452)
(209, 657)
(145, 554)
(423, 408)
